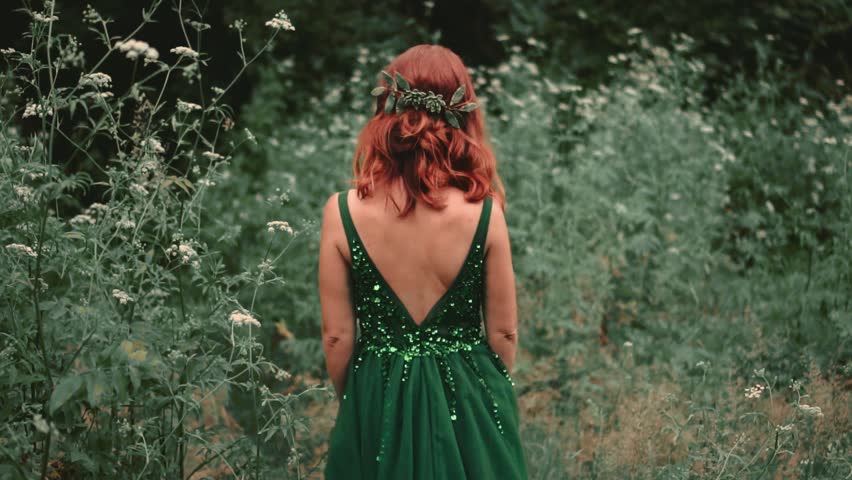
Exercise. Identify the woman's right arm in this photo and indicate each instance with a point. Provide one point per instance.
(501, 315)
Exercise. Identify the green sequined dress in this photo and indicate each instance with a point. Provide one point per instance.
(429, 401)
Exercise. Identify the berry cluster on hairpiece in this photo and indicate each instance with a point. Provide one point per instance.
(402, 96)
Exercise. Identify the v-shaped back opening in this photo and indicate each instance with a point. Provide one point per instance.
(353, 237)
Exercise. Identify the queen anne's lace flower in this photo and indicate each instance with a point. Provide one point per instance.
(122, 297)
(134, 49)
(184, 52)
(242, 318)
(812, 411)
(187, 106)
(187, 254)
(38, 17)
(97, 80)
(280, 22)
(279, 226)
(82, 218)
(22, 250)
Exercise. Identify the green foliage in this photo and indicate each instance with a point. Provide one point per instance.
(118, 351)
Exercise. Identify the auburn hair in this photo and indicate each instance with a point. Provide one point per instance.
(424, 152)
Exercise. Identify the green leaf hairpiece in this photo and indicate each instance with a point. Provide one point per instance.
(402, 96)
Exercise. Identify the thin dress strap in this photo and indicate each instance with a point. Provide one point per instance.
(348, 226)
(484, 219)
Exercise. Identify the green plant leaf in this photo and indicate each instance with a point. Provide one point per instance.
(457, 95)
(469, 107)
(402, 82)
(389, 79)
(452, 119)
(390, 103)
(377, 91)
(65, 389)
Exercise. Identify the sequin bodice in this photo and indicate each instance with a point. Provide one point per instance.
(453, 323)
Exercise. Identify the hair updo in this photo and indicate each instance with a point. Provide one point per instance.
(423, 151)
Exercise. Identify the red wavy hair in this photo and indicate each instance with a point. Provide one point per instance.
(423, 152)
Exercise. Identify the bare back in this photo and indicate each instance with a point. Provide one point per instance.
(421, 254)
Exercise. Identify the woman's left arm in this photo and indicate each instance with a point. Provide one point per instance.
(338, 322)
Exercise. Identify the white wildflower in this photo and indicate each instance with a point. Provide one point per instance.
(97, 80)
(38, 17)
(187, 254)
(761, 234)
(281, 374)
(125, 223)
(242, 318)
(634, 31)
(502, 37)
(138, 189)
(133, 49)
(812, 411)
(785, 428)
(280, 22)
(755, 391)
(279, 226)
(40, 423)
(250, 136)
(184, 52)
(91, 15)
(187, 106)
(675, 196)
(19, 249)
(7, 51)
(24, 192)
(829, 141)
(37, 110)
(620, 208)
(122, 297)
(770, 207)
(82, 218)
(204, 182)
(628, 344)
(155, 145)
(213, 155)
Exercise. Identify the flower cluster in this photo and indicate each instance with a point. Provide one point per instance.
(187, 107)
(280, 22)
(279, 226)
(812, 411)
(38, 17)
(96, 80)
(238, 318)
(22, 250)
(188, 255)
(184, 52)
(136, 48)
(755, 391)
(37, 110)
(122, 297)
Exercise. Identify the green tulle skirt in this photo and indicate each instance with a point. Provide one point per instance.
(452, 416)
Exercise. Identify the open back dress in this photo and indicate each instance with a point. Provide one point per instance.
(423, 401)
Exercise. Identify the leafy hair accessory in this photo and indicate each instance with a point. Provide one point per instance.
(401, 96)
